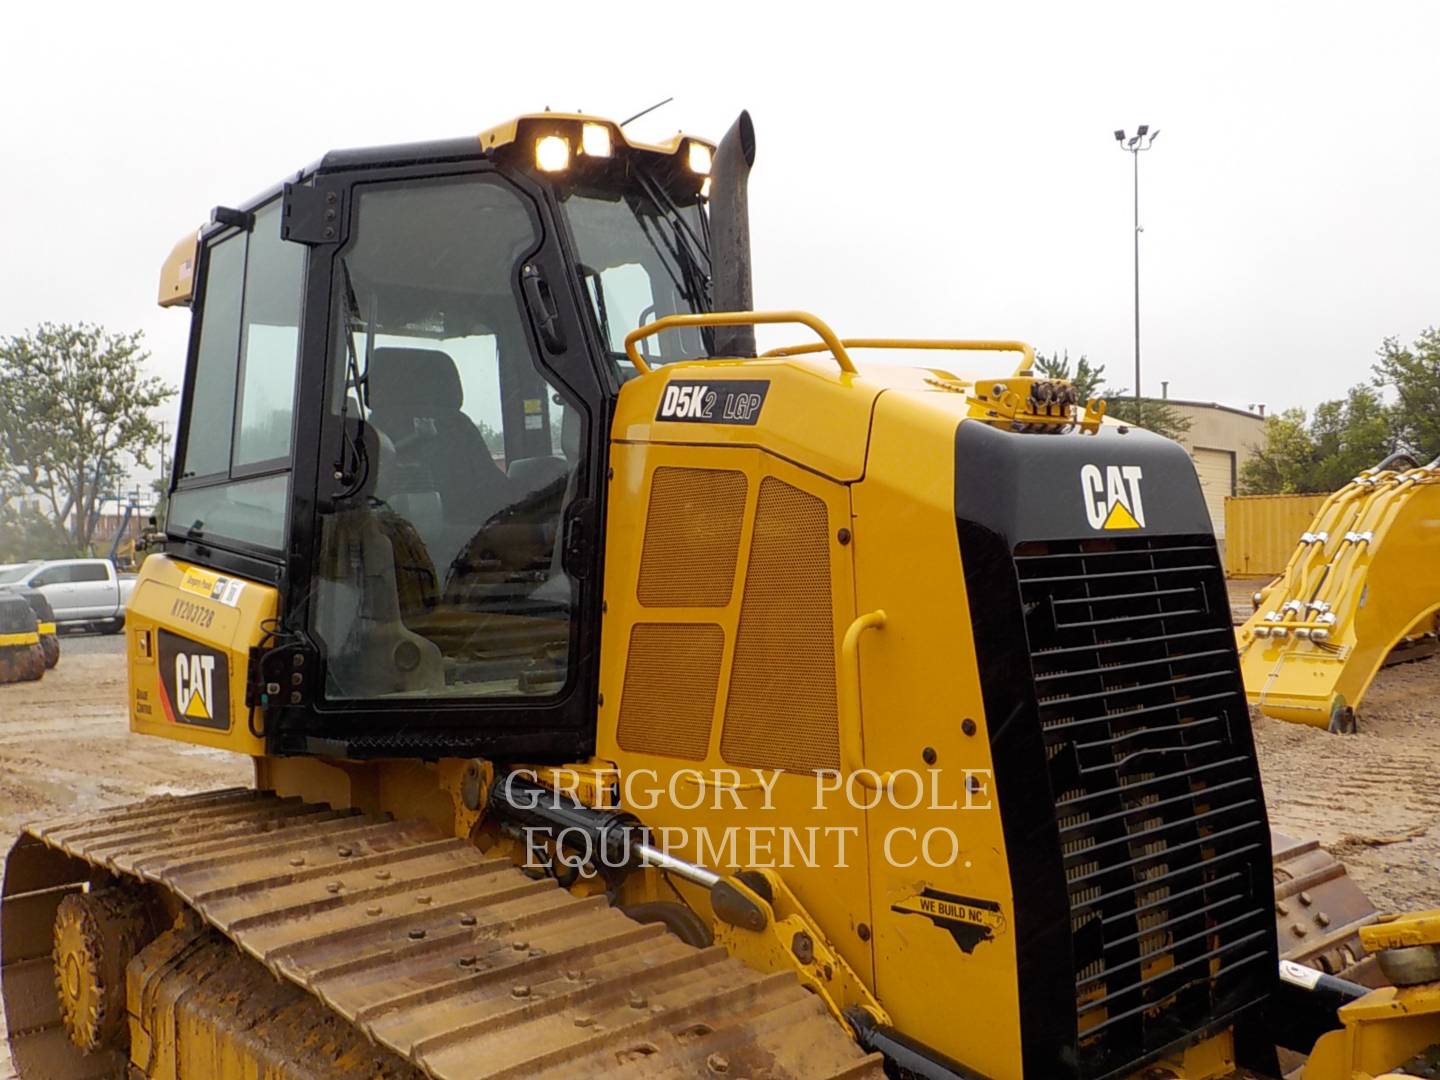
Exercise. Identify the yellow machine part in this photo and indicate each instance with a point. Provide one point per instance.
(190, 631)
(1363, 578)
(1390, 1032)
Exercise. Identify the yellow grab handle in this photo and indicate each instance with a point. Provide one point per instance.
(1027, 352)
(851, 753)
(739, 318)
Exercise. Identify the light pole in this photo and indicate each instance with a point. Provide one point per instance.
(1143, 139)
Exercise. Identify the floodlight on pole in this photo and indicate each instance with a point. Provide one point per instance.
(1143, 139)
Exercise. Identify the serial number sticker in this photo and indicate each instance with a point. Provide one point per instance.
(192, 612)
(217, 587)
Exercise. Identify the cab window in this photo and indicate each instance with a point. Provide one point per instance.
(53, 575)
(639, 263)
(439, 570)
(232, 472)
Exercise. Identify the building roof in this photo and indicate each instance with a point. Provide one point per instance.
(1210, 405)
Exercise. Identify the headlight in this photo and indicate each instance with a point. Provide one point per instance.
(699, 157)
(552, 153)
(595, 140)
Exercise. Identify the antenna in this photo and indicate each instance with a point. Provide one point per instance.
(646, 112)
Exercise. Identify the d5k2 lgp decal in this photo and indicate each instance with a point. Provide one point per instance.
(723, 401)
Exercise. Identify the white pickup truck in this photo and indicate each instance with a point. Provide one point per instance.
(82, 591)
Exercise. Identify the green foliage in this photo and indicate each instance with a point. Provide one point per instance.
(1414, 376)
(1086, 379)
(26, 534)
(1089, 382)
(73, 403)
(1339, 440)
(1152, 414)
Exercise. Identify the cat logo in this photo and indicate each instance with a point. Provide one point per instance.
(195, 683)
(1112, 497)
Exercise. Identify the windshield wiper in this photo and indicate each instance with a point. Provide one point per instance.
(352, 479)
(691, 253)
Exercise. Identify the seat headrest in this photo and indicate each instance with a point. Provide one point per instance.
(413, 382)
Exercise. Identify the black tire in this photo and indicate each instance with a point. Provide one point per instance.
(114, 626)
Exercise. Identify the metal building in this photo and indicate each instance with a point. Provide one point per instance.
(1221, 439)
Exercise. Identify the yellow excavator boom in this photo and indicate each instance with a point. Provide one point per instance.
(1362, 580)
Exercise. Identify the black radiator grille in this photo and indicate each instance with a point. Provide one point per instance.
(1161, 821)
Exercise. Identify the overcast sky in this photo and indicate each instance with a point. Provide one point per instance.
(940, 170)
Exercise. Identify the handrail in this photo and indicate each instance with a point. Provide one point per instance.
(739, 318)
(852, 756)
(947, 345)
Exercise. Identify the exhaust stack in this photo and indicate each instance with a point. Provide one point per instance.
(730, 235)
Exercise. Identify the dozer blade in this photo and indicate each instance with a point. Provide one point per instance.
(1319, 911)
(1363, 579)
(457, 962)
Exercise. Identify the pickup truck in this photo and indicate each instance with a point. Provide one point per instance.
(82, 591)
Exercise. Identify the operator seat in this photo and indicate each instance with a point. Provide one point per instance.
(414, 397)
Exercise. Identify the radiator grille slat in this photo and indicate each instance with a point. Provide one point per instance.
(1161, 821)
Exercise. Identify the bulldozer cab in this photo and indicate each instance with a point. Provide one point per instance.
(400, 376)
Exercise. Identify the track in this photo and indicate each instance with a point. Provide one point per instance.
(457, 963)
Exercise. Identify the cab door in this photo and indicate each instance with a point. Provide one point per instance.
(449, 583)
(57, 584)
(95, 594)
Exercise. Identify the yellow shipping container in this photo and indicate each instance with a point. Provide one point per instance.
(1261, 531)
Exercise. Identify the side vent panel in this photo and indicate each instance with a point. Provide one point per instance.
(671, 677)
(781, 711)
(692, 538)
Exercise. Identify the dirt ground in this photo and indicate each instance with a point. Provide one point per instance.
(1373, 798)
(65, 747)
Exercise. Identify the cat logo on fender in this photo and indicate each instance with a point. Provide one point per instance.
(194, 683)
(1112, 496)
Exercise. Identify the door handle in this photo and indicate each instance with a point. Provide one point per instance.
(542, 308)
(576, 552)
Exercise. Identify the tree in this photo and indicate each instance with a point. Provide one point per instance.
(1414, 376)
(1086, 379)
(1339, 440)
(26, 533)
(1089, 382)
(73, 402)
(1152, 414)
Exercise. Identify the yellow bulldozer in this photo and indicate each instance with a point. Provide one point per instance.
(1361, 589)
(627, 703)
